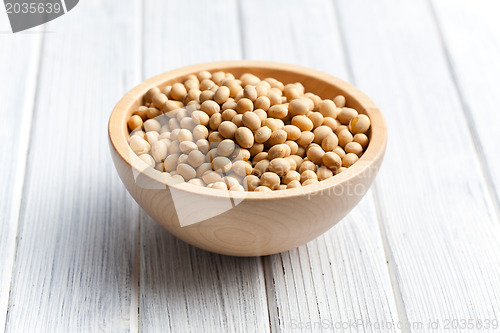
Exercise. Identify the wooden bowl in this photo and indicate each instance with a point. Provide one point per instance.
(248, 223)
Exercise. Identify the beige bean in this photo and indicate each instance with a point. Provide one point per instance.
(302, 122)
(195, 158)
(251, 182)
(279, 111)
(359, 124)
(339, 101)
(197, 182)
(228, 114)
(228, 129)
(215, 121)
(269, 179)
(263, 103)
(320, 133)
(159, 100)
(170, 162)
(332, 160)
(300, 106)
(278, 151)
(277, 137)
(185, 135)
(148, 159)
(310, 182)
(307, 174)
(214, 138)
(328, 108)
(262, 134)
(324, 173)
(203, 145)
(292, 132)
(159, 151)
(362, 139)
(150, 93)
(329, 142)
(139, 145)
(242, 168)
(349, 159)
(250, 92)
(262, 189)
(274, 98)
(221, 164)
(204, 167)
(251, 120)
(290, 176)
(294, 184)
(200, 132)
(330, 122)
(307, 165)
(305, 138)
(339, 151)
(229, 104)
(244, 137)
(256, 149)
(279, 166)
(210, 177)
(221, 94)
(261, 114)
(152, 125)
(244, 105)
(316, 118)
(178, 91)
(260, 167)
(152, 137)
(344, 137)
(203, 75)
(187, 146)
(226, 147)
(354, 148)
(210, 107)
(346, 114)
(186, 171)
(135, 122)
(260, 156)
(200, 118)
(315, 154)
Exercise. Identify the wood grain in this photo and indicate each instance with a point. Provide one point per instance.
(19, 62)
(78, 228)
(471, 33)
(183, 288)
(438, 219)
(341, 277)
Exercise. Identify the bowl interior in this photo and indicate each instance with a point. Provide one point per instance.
(319, 83)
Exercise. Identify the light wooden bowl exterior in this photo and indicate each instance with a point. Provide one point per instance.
(248, 223)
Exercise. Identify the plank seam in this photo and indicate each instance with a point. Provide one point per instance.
(23, 163)
(391, 265)
(467, 112)
(263, 263)
(240, 16)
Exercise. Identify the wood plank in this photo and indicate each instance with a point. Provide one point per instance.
(19, 67)
(438, 218)
(78, 229)
(471, 33)
(184, 289)
(341, 277)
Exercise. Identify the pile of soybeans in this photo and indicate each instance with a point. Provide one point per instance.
(245, 134)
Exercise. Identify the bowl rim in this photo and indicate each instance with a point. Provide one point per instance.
(118, 131)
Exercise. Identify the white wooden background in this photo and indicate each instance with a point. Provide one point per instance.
(422, 248)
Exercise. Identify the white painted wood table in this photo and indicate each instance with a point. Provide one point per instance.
(420, 253)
